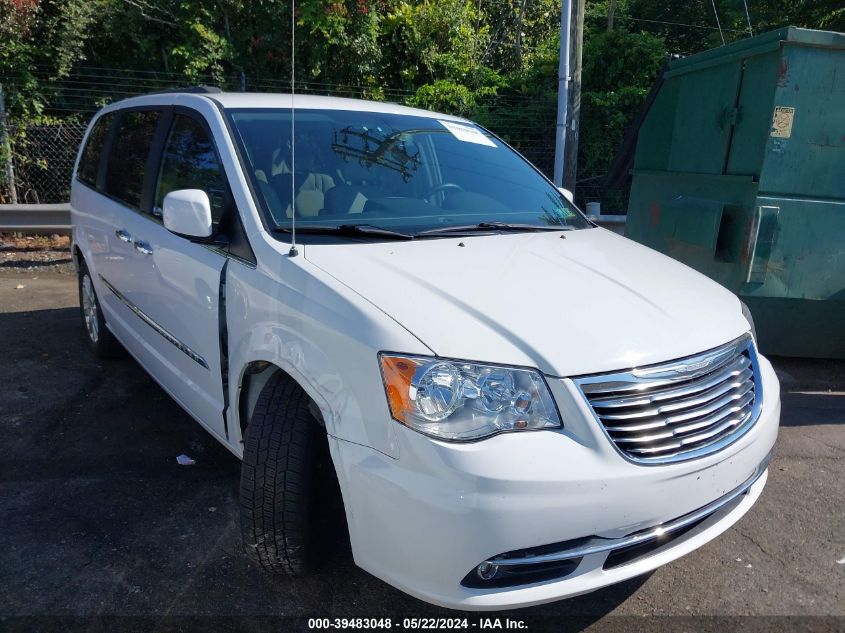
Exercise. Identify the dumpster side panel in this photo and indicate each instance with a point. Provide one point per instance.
(688, 127)
(655, 137)
(807, 255)
(749, 187)
(751, 133)
(797, 327)
(701, 220)
(808, 159)
(705, 115)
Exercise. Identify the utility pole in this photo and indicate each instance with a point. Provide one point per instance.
(570, 158)
(562, 91)
(569, 93)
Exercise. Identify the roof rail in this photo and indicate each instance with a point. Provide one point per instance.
(190, 90)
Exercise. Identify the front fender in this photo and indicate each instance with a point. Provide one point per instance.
(324, 336)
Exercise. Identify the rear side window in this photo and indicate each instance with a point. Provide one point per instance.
(89, 164)
(128, 157)
(190, 162)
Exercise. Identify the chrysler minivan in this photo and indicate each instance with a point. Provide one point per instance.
(519, 406)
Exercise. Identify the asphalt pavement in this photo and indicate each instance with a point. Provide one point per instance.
(101, 529)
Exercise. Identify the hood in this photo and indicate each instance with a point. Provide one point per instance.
(589, 302)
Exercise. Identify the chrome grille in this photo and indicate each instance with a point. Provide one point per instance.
(682, 409)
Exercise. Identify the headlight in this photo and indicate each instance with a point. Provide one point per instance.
(454, 400)
(747, 314)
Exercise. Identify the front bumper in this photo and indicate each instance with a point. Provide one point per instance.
(424, 521)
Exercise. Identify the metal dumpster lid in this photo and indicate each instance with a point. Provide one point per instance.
(756, 45)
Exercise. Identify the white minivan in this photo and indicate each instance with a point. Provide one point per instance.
(519, 406)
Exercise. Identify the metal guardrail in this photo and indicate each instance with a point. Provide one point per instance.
(35, 218)
(55, 218)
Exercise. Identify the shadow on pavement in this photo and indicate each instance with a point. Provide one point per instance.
(812, 390)
(99, 520)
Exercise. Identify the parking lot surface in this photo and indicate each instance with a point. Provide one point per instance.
(99, 520)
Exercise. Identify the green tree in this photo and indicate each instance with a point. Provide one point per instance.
(40, 37)
(492, 60)
(619, 69)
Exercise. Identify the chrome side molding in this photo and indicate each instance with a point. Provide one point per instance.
(155, 326)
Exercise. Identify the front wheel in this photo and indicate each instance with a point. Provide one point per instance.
(280, 478)
(100, 340)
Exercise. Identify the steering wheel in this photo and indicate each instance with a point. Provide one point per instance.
(442, 187)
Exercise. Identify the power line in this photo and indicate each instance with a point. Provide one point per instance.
(748, 17)
(504, 43)
(692, 26)
(719, 24)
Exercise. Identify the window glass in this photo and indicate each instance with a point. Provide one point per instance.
(128, 158)
(399, 171)
(89, 164)
(190, 162)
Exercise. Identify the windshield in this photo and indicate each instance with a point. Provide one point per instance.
(405, 173)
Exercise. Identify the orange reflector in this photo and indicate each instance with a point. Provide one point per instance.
(398, 374)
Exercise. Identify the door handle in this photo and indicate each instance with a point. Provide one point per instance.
(123, 236)
(143, 247)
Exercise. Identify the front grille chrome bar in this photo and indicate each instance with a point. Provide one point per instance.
(737, 368)
(599, 544)
(681, 409)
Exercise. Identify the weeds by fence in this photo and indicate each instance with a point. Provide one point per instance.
(42, 158)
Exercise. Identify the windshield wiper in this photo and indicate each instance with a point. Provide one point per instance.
(347, 230)
(487, 227)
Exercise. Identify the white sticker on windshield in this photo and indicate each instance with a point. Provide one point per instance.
(466, 133)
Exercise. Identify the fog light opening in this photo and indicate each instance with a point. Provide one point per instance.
(487, 571)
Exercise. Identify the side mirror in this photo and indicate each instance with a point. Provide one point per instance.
(187, 212)
(567, 194)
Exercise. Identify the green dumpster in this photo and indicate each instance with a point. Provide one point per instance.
(739, 172)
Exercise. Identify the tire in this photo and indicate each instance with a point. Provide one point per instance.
(99, 338)
(283, 466)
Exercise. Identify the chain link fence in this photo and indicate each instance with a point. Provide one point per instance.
(42, 157)
(591, 188)
(43, 154)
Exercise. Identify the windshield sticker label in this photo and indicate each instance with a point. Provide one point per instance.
(466, 133)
